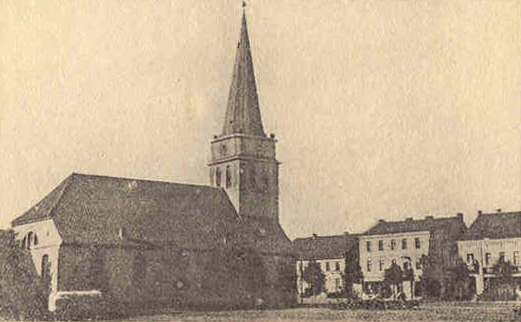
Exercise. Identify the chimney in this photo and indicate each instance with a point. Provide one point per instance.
(460, 216)
(498, 210)
(479, 212)
(381, 220)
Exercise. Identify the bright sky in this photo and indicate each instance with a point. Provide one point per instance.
(383, 109)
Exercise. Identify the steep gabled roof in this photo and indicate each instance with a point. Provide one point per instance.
(94, 209)
(323, 247)
(454, 225)
(495, 226)
(89, 209)
(243, 113)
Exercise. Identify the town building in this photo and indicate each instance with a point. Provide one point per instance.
(330, 252)
(404, 243)
(135, 243)
(492, 237)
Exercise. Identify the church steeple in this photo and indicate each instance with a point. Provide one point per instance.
(243, 157)
(243, 113)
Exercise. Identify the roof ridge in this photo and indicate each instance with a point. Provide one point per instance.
(145, 180)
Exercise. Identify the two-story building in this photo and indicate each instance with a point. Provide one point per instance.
(490, 238)
(404, 243)
(330, 253)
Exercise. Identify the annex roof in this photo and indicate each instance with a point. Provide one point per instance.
(495, 226)
(323, 247)
(416, 225)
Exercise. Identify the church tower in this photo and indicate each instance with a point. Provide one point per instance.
(243, 156)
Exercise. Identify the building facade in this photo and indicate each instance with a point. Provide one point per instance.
(492, 238)
(143, 242)
(404, 243)
(330, 253)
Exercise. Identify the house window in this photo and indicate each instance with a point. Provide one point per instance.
(381, 265)
(487, 259)
(404, 243)
(417, 243)
(501, 256)
(218, 177)
(327, 267)
(228, 177)
(418, 264)
(516, 257)
(470, 258)
(380, 245)
(368, 244)
(393, 244)
(337, 266)
(369, 265)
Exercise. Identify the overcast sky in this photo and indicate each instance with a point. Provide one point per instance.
(383, 109)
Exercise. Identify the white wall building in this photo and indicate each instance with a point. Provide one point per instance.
(489, 238)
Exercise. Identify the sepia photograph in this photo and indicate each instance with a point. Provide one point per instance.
(256, 160)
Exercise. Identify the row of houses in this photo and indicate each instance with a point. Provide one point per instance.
(491, 238)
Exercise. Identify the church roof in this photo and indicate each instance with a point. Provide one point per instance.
(495, 226)
(89, 209)
(453, 225)
(243, 113)
(323, 247)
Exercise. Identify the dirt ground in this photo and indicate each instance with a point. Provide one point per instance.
(489, 312)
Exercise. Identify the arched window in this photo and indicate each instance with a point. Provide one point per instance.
(228, 177)
(46, 267)
(218, 177)
(30, 237)
(23, 245)
(139, 269)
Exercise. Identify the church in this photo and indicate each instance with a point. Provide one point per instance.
(137, 243)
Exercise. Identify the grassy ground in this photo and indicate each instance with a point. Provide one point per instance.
(433, 313)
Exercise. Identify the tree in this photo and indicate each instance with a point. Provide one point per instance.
(458, 282)
(430, 284)
(393, 276)
(352, 273)
(23, 294)
(504, 281)
(314, 277)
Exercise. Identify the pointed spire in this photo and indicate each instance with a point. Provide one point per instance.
(243, 113)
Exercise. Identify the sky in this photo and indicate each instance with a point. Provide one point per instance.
(382, 109)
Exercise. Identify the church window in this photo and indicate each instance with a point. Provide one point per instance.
(45, 267)
(139, 269)
(228, 177)
(218, 177)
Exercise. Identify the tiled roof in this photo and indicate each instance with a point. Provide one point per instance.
(495, 226)
(243, 112)
(94, 209)
(430, 224)
(322, 247)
